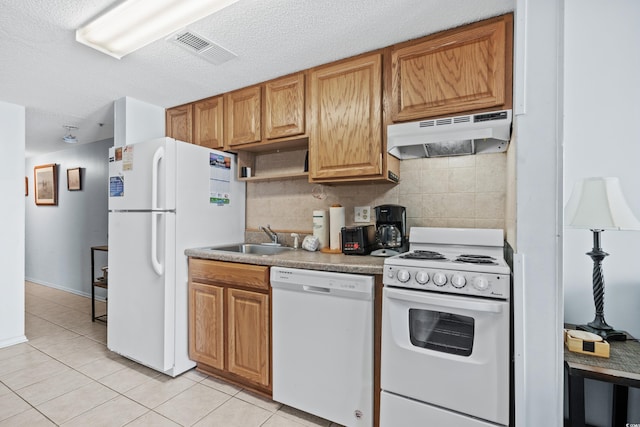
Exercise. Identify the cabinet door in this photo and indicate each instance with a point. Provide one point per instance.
(346, 109)
(284, 107)
(179, 123)
(248, 335)
(208, 123)
(243, 122)
(206, 324)
(462, 70)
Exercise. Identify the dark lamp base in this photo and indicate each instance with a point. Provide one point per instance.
(607, 334)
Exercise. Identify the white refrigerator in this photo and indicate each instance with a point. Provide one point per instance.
(164, 196)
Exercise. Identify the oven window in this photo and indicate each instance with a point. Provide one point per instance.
(445, 332)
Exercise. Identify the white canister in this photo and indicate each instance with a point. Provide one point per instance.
(321, 227)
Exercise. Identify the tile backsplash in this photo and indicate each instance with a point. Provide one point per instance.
(466, 191)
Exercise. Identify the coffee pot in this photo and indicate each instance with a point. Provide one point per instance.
(391, 230)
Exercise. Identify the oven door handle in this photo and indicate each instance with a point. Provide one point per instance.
(462, 303)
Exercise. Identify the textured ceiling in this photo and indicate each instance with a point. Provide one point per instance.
(62, 82)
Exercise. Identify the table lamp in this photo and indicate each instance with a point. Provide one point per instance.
(598, 204)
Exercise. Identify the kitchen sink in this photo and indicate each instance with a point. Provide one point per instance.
(253, 248)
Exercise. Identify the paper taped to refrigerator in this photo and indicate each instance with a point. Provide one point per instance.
(127, 158)
(116, 186)
(219, 179)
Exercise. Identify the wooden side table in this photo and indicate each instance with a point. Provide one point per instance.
(99, 283)
(622, 369)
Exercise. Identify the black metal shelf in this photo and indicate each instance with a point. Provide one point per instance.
(96, 282)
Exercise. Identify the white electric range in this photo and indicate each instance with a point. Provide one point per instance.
(446, 330)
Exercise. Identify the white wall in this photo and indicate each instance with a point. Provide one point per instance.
(602, 138)
(58, 238)
(537, 287)
(137, 121)
(12, 135)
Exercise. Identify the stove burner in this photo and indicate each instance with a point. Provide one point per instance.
(476, 259)
(423, 255)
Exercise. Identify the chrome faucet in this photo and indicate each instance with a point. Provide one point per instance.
(272, 235)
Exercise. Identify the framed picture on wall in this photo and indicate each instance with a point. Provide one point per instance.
(46, 184)
(73, 179)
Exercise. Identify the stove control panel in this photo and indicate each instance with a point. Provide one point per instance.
(488, 285)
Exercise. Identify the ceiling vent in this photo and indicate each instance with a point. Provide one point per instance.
(201, 47)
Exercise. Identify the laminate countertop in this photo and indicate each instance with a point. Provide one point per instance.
(298, 258)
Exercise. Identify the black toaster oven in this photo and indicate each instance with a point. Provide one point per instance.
(358, 240)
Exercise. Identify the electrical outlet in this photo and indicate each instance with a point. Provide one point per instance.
(362, 213)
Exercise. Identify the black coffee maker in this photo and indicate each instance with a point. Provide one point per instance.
(391, 230)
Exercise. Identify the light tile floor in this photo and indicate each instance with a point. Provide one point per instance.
(65, 375)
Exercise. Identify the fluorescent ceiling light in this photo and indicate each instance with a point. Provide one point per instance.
(133, 24)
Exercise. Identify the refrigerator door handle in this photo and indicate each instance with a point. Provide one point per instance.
(155, 263)
(157, 156)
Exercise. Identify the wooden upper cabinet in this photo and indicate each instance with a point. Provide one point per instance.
(208, 121)
(284, 107)
(178, 122)
(346, 123)
(453, 72)
(243, 118)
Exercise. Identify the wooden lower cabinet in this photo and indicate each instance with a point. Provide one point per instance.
(230, 322)
(248, 341)
(206, 324)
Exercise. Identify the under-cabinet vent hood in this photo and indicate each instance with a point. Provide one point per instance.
(487, 132)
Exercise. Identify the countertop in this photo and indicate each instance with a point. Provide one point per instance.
(299, 258)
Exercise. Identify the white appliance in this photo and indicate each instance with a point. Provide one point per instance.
(479, 133)
(446, 330)
(323, 343)
(164, 196)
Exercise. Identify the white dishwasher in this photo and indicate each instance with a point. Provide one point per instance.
(323, 343)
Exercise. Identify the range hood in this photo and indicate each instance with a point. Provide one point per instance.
(487, 132)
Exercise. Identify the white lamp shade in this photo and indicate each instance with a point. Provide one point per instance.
(598, 204)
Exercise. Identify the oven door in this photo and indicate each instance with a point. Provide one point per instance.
(447, 350)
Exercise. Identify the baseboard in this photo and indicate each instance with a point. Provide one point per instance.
(62, 288)
(13, 341)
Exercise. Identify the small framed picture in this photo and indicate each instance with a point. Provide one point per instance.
(73, 179)
(46, 184)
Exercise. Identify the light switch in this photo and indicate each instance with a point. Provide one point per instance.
(362, 213)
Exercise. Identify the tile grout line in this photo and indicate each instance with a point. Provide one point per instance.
(63, 363)
(195, 380)
(27, 402)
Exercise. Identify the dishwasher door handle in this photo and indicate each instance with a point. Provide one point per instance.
(316, 288)
(319, 289)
